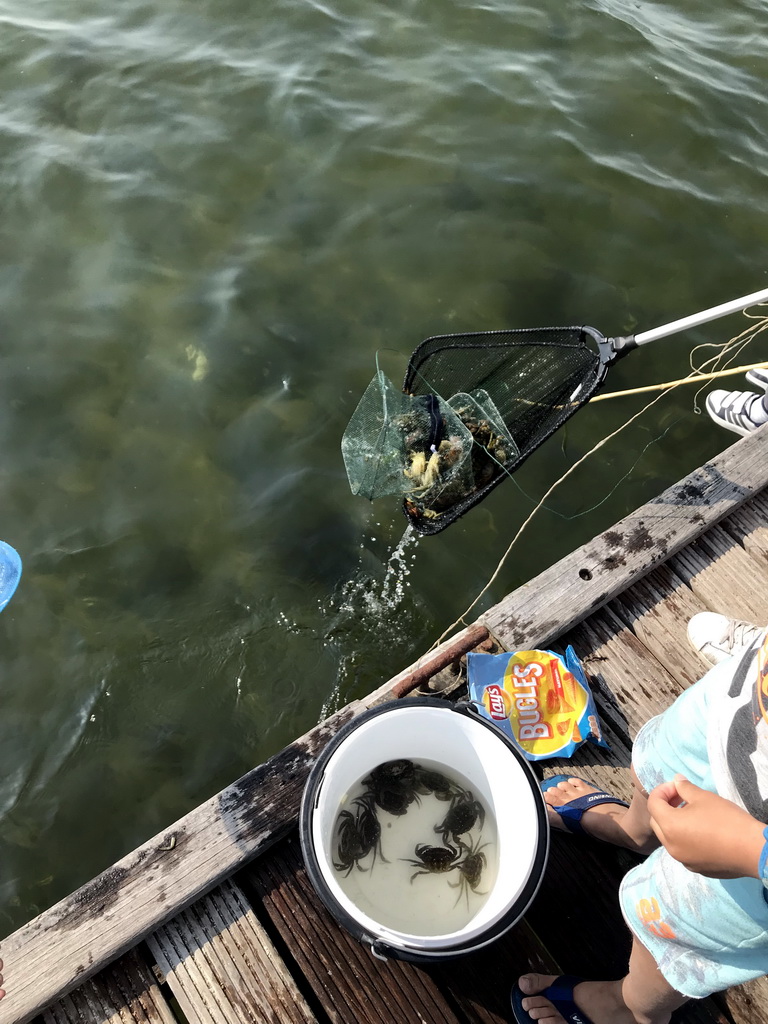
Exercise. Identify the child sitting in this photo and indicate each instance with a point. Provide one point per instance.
(697, 907)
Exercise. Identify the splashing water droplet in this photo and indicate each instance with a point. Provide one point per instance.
(368, 607)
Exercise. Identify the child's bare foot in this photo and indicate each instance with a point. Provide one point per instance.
(593, 819)
(600, 1001)
(605, 817)
(2, 990)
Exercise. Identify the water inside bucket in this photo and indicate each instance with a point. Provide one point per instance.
(410, 871)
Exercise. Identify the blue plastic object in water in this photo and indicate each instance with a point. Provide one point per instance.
(10, 572)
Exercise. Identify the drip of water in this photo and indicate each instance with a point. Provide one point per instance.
(392, 592)
(368, 608)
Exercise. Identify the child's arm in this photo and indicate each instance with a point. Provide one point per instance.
(707, 833)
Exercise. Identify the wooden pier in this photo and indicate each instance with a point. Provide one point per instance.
(214, 920)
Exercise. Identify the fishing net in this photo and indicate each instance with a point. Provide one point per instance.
(508, 390)
(397, 443)
(473, 407)
(534, 381)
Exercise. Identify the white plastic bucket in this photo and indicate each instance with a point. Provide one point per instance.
(457, 737)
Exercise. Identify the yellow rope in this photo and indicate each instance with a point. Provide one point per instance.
(692, 379)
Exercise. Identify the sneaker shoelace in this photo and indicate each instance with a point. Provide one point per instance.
(740, 634)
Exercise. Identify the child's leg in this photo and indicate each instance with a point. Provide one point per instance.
(645, 991)
(623, 826)
(643, 997)
(674, 741)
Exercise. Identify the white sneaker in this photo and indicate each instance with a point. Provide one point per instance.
(759, 377)
(716, 637)
(739, 411)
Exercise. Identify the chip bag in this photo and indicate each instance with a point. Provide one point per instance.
(538, 698)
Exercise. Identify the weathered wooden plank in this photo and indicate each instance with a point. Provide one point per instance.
(721, 574)
(64, 946)
(747, 1004)
(749, 525)
(353, 986)
(582, 582)
(759, 505)
(125, 993)
(222, 967)
(624, 671)
(350, 983)
(658, 609)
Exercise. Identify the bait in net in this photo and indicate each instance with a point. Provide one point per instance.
(398, 443)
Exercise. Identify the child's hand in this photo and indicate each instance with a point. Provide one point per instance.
(705, 832)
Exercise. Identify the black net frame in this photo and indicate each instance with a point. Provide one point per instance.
(538, 378)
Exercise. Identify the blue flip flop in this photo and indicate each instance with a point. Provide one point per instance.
(559, 993)
(571, 813)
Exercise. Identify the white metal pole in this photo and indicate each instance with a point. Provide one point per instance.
(734, 306)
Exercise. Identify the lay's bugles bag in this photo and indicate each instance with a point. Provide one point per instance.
(540, 699)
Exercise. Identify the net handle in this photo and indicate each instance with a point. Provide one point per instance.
(713, 313)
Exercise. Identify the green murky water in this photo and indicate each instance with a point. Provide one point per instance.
(213, 216)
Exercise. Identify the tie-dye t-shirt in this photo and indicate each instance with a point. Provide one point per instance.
(706, 934)
(737, 736)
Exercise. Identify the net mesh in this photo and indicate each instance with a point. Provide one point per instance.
(473, 407)
(536, 379)
(397, 443)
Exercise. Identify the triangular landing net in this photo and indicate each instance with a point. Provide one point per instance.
(472, 408)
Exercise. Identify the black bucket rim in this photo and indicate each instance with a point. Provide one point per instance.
(378, 946)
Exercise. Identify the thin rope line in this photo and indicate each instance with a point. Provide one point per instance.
(739, 343)
(461, 619)
(586, 511)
